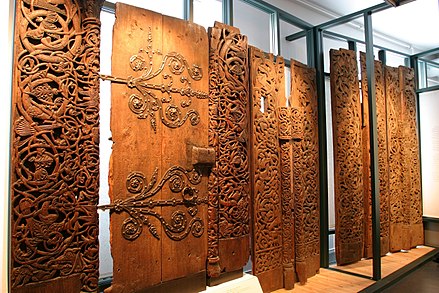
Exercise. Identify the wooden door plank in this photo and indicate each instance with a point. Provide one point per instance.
(188, 70)
(265, 170)
(135, 160)
(229, 222)
(348, 160)
(411, 154)
(306, 172)
(54, 184)
(382, 158)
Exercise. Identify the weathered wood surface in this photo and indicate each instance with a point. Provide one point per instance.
(55, 147)
(382, 158)
(411, 155)
(285, 120)
(229, 189)
(265, 82)
(159, 123)
(399, 222)
(305, 170)
(348, 159)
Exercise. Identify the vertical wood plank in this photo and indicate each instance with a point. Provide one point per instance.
(229, 241)
(411, 154)
(55, 147)
(306, 173)
(160, 161)
(265, 170)
(348, 159)
(382, 158)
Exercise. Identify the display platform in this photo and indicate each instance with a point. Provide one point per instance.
(246, 284)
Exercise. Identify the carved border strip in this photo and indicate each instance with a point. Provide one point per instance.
(230, 194)
(382, 158)
(411, 154)
(265, 170)
(305, 170)
(348, 160)
(55, 150)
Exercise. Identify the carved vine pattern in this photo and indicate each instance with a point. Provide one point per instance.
(55, 143)
(411, 152)
(393, 94)
(141, 204)
(382, 158)
(267, 210)
(348, 159)
(286, 155)
(305, 170)
(156, 97)
(228, 134)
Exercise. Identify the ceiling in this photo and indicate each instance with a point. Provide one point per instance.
(416, 24)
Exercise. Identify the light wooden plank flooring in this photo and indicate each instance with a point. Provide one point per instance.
(332, 281)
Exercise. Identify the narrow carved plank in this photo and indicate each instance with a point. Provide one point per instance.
(229, 194)
(55, 147)
(382, 159)
(265, 170)
(411, 154)
(158, 183)
(286, 156)
(306, 172)
(348, 159)
(399, 222)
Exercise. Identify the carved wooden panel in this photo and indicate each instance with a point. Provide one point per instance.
(158, 174)
(229, 191)
(286, 157)
(265, 82)
(348, 158)
(399, 222)
(411, 155)
(382, 159)
(305, 170)
(55, 147)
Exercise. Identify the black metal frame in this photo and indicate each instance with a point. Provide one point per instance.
(315, 58)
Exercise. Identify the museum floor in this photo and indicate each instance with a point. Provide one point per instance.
(425, 279)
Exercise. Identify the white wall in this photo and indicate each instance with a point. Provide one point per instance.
(6, 25)
(428, 108)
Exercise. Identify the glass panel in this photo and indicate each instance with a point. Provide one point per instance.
(421, 74)
(395, 60)
(206, 12)
(167, 7)
(429, 124)
(292, 50)
(287, 83)
(105, 259)
(432, 74)
(253, 23)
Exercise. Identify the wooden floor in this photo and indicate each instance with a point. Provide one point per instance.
(333, 281)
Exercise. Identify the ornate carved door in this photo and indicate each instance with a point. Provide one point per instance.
(55, 147)
(266, 80)
(348, 158)
(160, 163)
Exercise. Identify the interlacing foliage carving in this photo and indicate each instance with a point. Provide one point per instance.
(229, 191)
(142, 205)
(286, 156)
(394, 138)
(55, 140)
(155, 98)
(348, 160)
(267, 238)
(305, 170)
(411, 154)
(382, 158)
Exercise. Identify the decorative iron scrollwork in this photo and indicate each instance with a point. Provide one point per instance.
(155, 97)
(141, 206)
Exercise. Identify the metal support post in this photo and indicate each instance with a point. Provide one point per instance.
(375, 188)
(228, 12)
(352, 45)
(323, 154)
